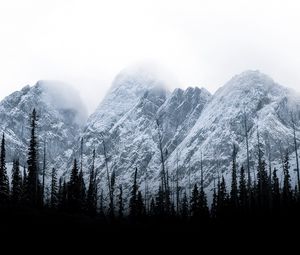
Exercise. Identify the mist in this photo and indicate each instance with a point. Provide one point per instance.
(201, 43)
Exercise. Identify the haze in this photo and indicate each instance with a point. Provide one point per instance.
(199, 43)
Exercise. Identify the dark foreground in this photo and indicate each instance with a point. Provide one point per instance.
(46, 227)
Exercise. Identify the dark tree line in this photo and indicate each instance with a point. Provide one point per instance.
(265, 195)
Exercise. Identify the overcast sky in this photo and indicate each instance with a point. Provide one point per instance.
(202, 43)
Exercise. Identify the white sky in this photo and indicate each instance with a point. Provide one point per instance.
(203, 42)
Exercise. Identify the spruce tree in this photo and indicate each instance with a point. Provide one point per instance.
(195, 210)
(287, 189)
(54, 190)
(4, 182)
(185, 207)
(152, 207)
(275, 191)
(121, 204)
(243, 192)
(92, 191)
(214, 205)
(74, 190)
(140, 206)
(16, 190)
(262, 178)
(112, 194)
(32, 162)
(222, 198)
(203, 207)
(160, 202)
(234, 187)
(133, 198)
(82, 191)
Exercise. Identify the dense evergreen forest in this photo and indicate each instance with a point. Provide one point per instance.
(76, 201)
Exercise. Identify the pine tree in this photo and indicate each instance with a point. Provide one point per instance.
(152, 207)
(159, 202)
(59, 194)
(112, 190)
(121, 204)
(24, 196)
(133, 198)
(54, 190)
(287, 189)
(82, 191)
(275, 191)
(262, 178)
(214, 205)
(16, 190)
(74, 190)
(222, 198)
(243, 192)
(4, 183)
(203, 207)
(32, 162)
(140, 206)
(195, 210)
(185, 207)
(101, 204)
(234, 188)
(92, 191)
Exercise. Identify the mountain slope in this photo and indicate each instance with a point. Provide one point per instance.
(266, 106)
(61, 115)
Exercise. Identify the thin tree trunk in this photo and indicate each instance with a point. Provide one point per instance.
(296, 151)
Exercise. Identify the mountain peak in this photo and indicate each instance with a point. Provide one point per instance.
(139, 77)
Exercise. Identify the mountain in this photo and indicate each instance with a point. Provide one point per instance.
(194, 125)
(125, 129)
(61, 115)
(126, 121)
(267, 107)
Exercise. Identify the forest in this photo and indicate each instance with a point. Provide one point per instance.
(76, 201)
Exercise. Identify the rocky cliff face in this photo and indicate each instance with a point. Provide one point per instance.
(193, 123)
(61, 115)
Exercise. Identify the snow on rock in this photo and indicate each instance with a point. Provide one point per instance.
(61, 115)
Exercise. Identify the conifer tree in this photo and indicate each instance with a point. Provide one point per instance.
(195, 210)
(82, 191)
(262, 178)
(121, 204)
(222, 198)
(140, 206)
(101, 204)
(74, 190)
(275, 191)
(32, 162)
(112, 195)
(133, 198)
(16, 190)
(286, 190)
(92, 189)
(203, 207)
(185, 207)
(152, 207)
(4, 182)
(234, 187)
(243, 192)
(54, 190)
(160, 202)
(214, 205)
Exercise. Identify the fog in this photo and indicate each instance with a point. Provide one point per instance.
(86, 43)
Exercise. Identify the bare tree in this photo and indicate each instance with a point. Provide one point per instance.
(107, 175)
(247, 148)
(296, 151)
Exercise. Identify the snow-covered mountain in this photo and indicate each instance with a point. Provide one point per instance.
(61, 115)
(193, 124)
(267, 107)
